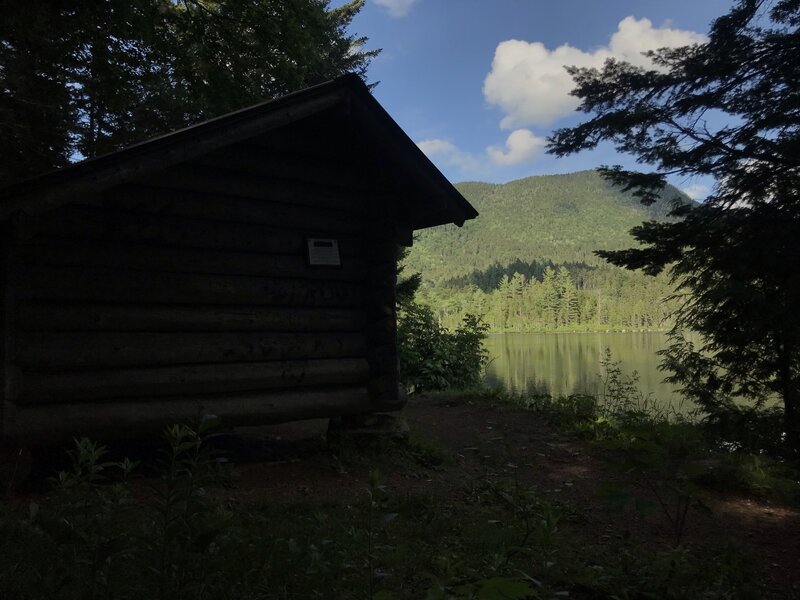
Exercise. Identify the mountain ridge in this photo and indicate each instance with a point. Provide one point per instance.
(562, 218)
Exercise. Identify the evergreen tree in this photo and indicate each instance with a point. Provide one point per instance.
(568, 298)
(35, 114)
(116, 63)
(517, 311)
(505, 294)
(551, 299)
(728, 108)
(86, 78)
(406, 287)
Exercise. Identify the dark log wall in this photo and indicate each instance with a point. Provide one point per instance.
(6, 406)
(191, 292)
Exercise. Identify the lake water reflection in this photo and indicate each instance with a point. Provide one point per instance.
(569, 363)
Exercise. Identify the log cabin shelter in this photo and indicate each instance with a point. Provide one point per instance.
(243, 267)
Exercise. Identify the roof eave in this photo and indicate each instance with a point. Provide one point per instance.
(97, 174)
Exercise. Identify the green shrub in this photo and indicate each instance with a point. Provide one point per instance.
(433, 358)
(757, 475)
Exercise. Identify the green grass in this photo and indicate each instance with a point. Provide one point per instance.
(626, 424)
(97, 535)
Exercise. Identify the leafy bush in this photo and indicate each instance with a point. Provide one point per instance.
(619, 405)
(433, 358)
(756, 475)
(94, 538)
(747, 429)
(570, 413)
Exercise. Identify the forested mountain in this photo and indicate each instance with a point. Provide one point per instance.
(527, 263)
(563, 218)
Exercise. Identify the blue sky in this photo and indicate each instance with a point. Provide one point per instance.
(478, 84)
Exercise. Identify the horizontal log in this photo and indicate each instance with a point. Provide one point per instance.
(382, 331)
(101, 349)
(46, 251)
(87, 222)
(387, 392)
(383, 251)
(383, 278)
(207, 179)
(44, 386)
(60, 316)
(384, 359)
(381, 303)
(53, 423)
(205, 204)
(109, 285)
(380, 307)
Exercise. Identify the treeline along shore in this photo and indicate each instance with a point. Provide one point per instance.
(528, 263)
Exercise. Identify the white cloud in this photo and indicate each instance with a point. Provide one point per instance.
(528, 81)
(696, 191)
(396, 8)
(521, 146)
(444, 152)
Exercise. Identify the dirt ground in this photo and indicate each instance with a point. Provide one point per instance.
(291, 462)
(495, 438)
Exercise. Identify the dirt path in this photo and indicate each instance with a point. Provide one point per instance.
(560, 466)
(489, 440)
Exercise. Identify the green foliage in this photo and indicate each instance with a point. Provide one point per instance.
(92, 77)
(561, 218)
(732, 259)
(95, 539)
(494, 588)
(433, 358)
(377, 521)
(678, 573)
(406, 287)
(496, 266)
(537, 557)
(561, 301)
(33, 122)
(756, 475)
(666, 458)
(185, 527)
(100, 535)
(662, 451)
(427, 453)
(648, 446)
(619, 403)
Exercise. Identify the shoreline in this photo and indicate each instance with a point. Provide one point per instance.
(581, 332)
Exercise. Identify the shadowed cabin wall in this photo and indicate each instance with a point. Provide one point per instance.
(190, 292)
(5, 317)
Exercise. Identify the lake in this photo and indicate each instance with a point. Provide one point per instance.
(569, 363)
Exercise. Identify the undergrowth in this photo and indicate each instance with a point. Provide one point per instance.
(664, 445)
(104, 532)
(107, 531)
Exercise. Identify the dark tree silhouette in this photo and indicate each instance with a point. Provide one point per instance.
(80, 79)
(728, 108)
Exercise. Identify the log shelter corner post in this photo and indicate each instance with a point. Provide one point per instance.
(9, 238)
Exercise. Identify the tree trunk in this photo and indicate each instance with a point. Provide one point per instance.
(791, 397)
(791, 414)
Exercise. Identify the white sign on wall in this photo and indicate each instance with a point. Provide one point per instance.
(323, 252)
